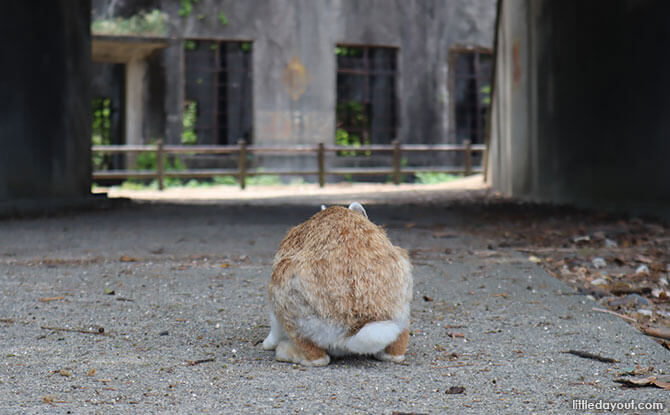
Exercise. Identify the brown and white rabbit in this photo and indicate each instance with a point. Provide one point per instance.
(339, 287)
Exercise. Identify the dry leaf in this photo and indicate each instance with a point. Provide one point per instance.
(225, 265)
(503, 295)
(643, 259)
(47, 299)
(125, 258)
(662, 382)
(639, 370)
(455, 334)
(91, 372)
(455, 390)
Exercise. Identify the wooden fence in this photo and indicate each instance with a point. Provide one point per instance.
(242, 149)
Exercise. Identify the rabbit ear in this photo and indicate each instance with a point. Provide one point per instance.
(357, 207)
(323, 207)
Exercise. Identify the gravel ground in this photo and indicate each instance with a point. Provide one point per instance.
(160, 308)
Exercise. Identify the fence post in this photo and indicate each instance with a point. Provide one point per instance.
(468, 157)
(242, 163)
(159, 164)
(396, 162)
(320, 158)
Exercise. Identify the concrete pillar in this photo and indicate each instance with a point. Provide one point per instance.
(135, 71)
(45, 110)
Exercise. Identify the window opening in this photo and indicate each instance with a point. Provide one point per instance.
(366, 95)
(471, 72)
(218, 91)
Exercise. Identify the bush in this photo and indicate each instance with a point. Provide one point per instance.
(434, 177)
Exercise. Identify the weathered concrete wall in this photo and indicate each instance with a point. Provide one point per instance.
(45, 111)
(581, 102)
(308, 31)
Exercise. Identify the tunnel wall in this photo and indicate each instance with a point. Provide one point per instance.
(45, 111)
(581, 103)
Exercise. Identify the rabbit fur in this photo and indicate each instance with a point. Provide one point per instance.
(339, 287)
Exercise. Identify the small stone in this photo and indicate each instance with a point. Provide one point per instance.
(599, 262)
(642, 269)
(645, 312)
(630, 299)
(610, 243)
(599, 281)
(164, 333)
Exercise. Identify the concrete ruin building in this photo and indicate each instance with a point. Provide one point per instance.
(278, 72)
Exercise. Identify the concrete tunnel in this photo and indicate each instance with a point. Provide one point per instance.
(580, 111)
(581, 103)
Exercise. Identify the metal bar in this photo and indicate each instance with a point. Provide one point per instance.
(159, 164)
(242, 163)
(321, 162)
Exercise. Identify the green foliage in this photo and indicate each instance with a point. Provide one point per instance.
(225, 180)
(486, 92)
(351, 115)
(348, 51)
(100, 131)
(188, 134)
(245, 46)
(434, 177)
(263, 180)
(186, 7)
(223, 19)
(190, 45)
(153, 23)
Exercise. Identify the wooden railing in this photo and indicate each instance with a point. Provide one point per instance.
(242, 149)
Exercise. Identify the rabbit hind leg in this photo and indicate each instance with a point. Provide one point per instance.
(276, 335)
(301, 351)
(395, 352)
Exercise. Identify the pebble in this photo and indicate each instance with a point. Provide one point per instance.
(645, 312)
(642, 269)
(610, 243)
(599, 262)
(630, 299)
(599, 281)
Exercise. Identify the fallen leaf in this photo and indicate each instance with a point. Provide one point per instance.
(125, 258)
(109, 291)
(444, 234)
(503, 295)
(63, 372)
(47, 299)
(426, 298)
(662, 382)
(636, 371)
(455, 390)
(225, 265)
(91, 372)
(643, 259)
(455, 334)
